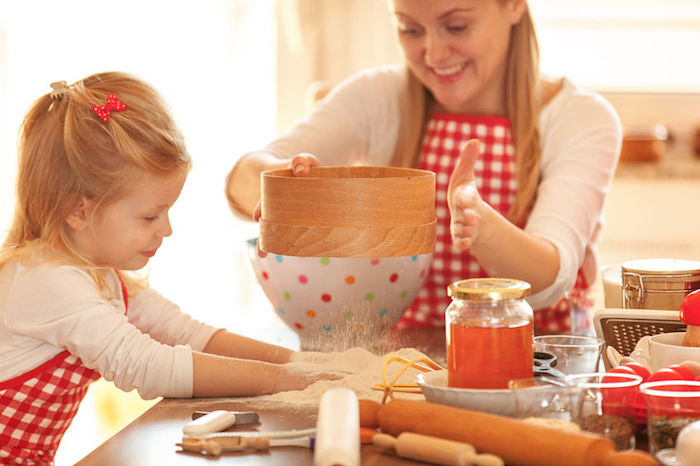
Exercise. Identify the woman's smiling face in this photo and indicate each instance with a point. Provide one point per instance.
(458, 49)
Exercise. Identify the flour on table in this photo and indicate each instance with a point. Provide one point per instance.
(363, 367)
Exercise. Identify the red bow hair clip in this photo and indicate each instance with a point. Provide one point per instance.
(113, 103)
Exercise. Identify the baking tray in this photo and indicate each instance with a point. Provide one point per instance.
(622, 328)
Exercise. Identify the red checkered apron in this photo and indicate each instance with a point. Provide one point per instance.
(39, 405)
(495, 179)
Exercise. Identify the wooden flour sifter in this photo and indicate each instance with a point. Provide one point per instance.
(348, 212)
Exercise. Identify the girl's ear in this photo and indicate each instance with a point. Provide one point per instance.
(78, 217)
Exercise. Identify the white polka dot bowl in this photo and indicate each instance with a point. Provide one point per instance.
(334, 303)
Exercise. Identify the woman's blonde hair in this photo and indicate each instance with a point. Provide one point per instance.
(66, 152)
(522, 108)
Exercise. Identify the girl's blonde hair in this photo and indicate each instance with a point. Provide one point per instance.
(522, 108)
(66, 152)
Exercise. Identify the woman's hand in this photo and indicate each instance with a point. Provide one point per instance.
(463, 199)
(300, 165)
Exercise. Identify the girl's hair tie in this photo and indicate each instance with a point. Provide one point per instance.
(113, 104)
(60, 88)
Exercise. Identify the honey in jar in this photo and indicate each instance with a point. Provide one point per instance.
(489, 333)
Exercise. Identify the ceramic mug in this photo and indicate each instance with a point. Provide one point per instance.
(664, 349)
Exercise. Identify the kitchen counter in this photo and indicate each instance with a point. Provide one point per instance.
(676, 162)
(151, 439)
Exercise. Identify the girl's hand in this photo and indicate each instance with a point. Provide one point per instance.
(463, 199)
(299, 376)
(300, 165)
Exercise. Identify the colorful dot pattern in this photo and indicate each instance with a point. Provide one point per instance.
(375, 289)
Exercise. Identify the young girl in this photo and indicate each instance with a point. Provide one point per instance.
(101, 162)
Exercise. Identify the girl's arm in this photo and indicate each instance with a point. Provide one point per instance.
(224, 343)
(215, 375)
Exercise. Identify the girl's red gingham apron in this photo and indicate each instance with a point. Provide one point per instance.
(495, 179)
(39, 405)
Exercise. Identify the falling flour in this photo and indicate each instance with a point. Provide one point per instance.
(363, 369)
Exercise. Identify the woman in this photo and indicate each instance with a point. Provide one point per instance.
(525, 201)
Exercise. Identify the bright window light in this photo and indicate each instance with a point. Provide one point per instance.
(214, 63)
(620, 45)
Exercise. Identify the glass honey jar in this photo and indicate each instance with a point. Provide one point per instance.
(489, 330)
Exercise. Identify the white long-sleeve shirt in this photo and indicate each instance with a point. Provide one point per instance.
(48, 308)
(580, 139)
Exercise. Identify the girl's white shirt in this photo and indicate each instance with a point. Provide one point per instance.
(580, 139)
(48, 308)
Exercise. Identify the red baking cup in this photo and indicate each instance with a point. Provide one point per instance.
(672, 398)
(617, 391)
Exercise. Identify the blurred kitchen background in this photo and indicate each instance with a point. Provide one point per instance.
(237, 72)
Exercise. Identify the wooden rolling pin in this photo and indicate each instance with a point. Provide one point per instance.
(435, 450)
(514, 441)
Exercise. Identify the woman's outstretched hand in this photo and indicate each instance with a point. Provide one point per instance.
(463, 199)
(300, 165)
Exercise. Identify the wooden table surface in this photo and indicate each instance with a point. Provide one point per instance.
(151, 439)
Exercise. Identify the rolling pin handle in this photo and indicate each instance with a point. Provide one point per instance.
(384, 440)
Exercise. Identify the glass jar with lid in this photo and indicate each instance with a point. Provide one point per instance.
(489, 333)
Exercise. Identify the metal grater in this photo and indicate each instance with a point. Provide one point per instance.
(623, 333)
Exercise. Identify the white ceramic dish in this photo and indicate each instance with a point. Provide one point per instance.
(662, 350)
(494, 401)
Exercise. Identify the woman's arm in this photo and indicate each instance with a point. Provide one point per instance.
(243, 181)
(502, 249)
(580, 138)
(357, 123)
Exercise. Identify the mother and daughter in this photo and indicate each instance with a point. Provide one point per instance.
(523, 167)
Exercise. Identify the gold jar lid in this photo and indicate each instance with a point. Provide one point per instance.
(488, 289)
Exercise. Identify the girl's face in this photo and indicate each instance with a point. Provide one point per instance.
(126, 233)
(458, 48)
